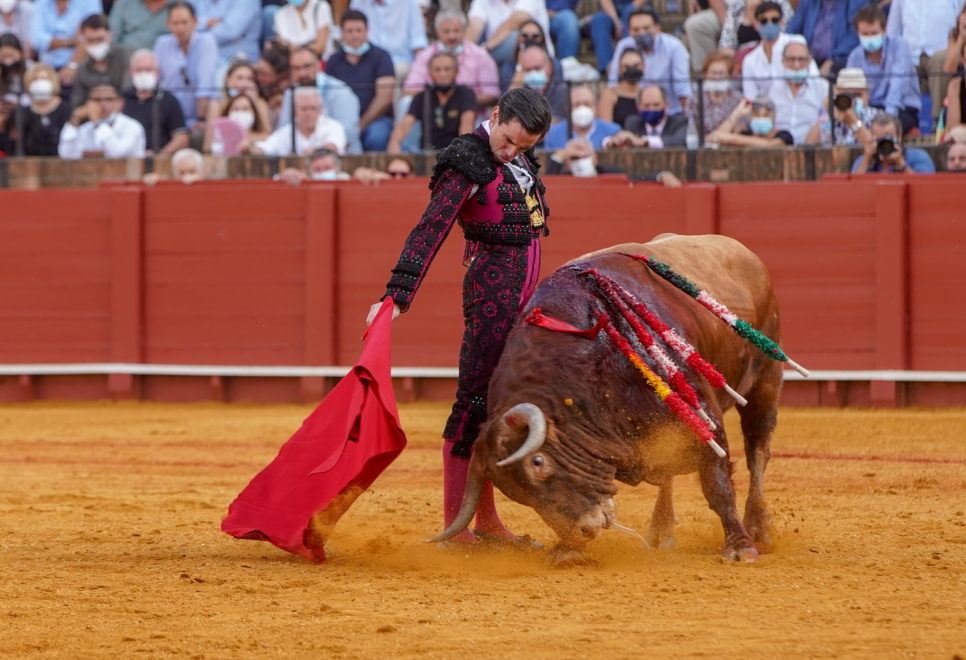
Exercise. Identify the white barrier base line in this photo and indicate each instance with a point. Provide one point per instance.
(401, 372)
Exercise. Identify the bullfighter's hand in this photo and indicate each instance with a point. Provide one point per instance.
(375, 309)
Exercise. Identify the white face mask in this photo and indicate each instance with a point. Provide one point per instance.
(328, 175)
(41, 90)
(582, 116)
(243, 118)
(6, 6)
(583, 167)
(144, 81)
(99, 51)
(717, 86)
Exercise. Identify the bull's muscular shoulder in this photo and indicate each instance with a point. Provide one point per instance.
(470, 155)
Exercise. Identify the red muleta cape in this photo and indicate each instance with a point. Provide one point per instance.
(341, 448)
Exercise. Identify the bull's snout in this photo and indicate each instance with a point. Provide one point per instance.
(590, 525)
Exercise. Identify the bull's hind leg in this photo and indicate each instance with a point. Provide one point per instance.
(758, 420)
(660, 534)
(719, 490)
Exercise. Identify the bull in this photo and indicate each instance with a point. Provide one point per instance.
(570, 416)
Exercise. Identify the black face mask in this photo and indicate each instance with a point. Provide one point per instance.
(632, 74)
(443, 89)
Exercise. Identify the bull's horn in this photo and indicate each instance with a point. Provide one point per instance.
(537, 425)
(471, 500)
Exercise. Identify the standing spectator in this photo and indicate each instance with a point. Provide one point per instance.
(720, 95)
(535, 70)
(47, 113)
(763, 66)
(606, 26)
(752, 124)
(586, 124)
(477, 70)
(451, 111)
(619, 102)
(106, 63)
(703, 29)
(147, 103)
(236, 26)
(54, 33)
(397, 27)
(305, 23)
(887, 66)
(800, 98)
(652, 127)
(924, 25)
(187, 61)
(564, 27)
(956, 97)
(13, 65)
(239, 81)
(954, 47)
(956, 157)
(853, 124)
(885, 153)
(98, 128)
(739, 32)
(139, 23)
(828, 27)
(368, 70)
(313, 129)
(666, 60)
(15, 16)
(494, 23)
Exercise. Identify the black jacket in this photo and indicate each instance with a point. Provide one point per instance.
(675, 129)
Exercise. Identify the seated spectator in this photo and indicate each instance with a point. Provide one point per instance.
(369, 72)
(236, 26)
(800, 98)
(853, 123)
(241, 110)
(956, 97)
(535, 70)
(887, 65)
(720, 95)
(187, 166)
(956, 157)
(138, 23)
(397, 168)
(140, 102)
(106, 63)
(98, 128)
(828, 27)
(703, 30)
(47, 114)
(583, 118)
(397, 27)
(495, 23)
(308, 24)
(239, 81)
(652, 127)
(564, 27)
(530, 34)
(885, 153)
(451, 111)
(739, 33)
(477, 70)
(15, 16)
(323, 165)
(619, 102)
(763, 66)
(13, 65)
(666, 60)
(187, 61)
(752, 124)
(272, 73)
(55, 33)
(578, 158)
(313, 130)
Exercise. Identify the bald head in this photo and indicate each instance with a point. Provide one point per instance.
(652, 98)
(534, 58)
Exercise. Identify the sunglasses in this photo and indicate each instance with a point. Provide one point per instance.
(532, 35)
(766, 21)
(762, 106)
(184, 77)
(398, 174)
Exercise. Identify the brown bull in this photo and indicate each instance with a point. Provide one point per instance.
(588, 418)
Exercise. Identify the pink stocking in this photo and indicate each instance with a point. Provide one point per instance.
(455, 471)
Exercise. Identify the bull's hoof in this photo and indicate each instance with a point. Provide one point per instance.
(758, 524)
(563, 556)
(745, 554)
(660, 538)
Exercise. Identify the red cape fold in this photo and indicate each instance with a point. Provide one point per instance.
(341, 448)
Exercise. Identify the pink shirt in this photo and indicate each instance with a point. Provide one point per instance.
(477, 70)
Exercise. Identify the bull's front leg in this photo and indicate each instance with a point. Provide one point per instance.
(719, 490)
(660, 533)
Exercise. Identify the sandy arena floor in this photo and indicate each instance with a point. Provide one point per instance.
(110, 547)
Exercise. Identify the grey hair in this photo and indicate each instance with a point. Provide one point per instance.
(143, 52)
(885, 119)
(449, 15)
(307, 90)
(324, 153)
(439, 53)
(188, 153)
(663, 91)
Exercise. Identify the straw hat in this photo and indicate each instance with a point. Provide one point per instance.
(851, 79)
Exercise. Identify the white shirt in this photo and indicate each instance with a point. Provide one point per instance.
(495, 13)
(121, 137)
(758, 74)
(302, 29)
(396, 26)
(798, 114)
(924, 24)
(653, 133)
(520, 171)
(327, 131)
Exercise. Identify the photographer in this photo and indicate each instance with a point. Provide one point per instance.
(885, 153)
(851, 111)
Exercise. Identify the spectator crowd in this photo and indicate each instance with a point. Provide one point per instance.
(134, 78)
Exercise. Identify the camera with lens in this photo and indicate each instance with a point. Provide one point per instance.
(886, 146)
(844, 101)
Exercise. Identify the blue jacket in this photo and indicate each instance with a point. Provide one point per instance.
(844, 36)
(557, 135)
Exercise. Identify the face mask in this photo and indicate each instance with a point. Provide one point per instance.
(645, 41)
(443, 89)
(455, 50)
(872, 44)
(761, 125)
(328, 175)
(859, 107)
(144, 81)
(770, 31)
(652, 117)
(582, 116)
(717, 86)
(361, 50)
(796, 75)
(632, 74)
(243, 118)
(583, 167)
(41, 90)
(535, 79)
(296, 3)
(6, 6)
(99, 51)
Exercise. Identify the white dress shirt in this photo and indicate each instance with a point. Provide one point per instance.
(924, 24)
(798, 114)
(302, 28)
(327, 131)
(118, 137)
(520, 171)
(758, 74)
(495, 12)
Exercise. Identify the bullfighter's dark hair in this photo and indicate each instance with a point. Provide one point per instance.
(354, 15)
(95, 22)
(645, 11)
(527, 106)
(182, 4)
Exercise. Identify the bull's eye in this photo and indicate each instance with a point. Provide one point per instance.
(538, 461)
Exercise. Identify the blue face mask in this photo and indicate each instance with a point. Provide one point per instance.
(652, 117)
(761, 125)
(872, 44)
(296, 3)
(645, 41)
(456, 50)
(361, 50)
(535, 79)
(769, 31)
(859, 108)
(796, 75)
